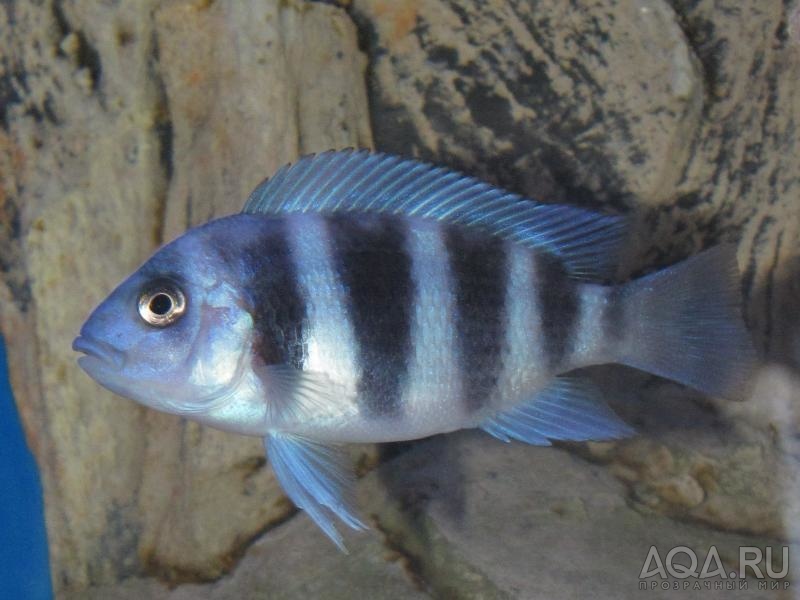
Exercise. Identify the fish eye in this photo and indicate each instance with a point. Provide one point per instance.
(162, 305)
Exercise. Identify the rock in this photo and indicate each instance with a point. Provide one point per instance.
(732, 469)
(680, 113)
(292, 560)
(682, 491)
(535, 97)
(466, 516)
(238, 109)
(121, 125)
(649, 459)
(501, 508)
(292, 80)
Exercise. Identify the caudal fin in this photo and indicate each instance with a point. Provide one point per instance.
(684, 323)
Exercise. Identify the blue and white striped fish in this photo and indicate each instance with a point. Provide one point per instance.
(362, 297)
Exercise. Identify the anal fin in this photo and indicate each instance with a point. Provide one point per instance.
(317, 479)
(569, 409)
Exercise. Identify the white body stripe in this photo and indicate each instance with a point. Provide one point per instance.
(589, 346)
(332, 347)
(524, 360)
(432, 399)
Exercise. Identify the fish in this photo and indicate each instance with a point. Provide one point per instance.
(366, 297)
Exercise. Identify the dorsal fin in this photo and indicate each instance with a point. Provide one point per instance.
(363, 181)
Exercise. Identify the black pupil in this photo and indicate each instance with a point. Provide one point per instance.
(160, 304)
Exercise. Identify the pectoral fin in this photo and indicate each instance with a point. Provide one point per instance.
(570, 409)
(302, 396)
(317, 479)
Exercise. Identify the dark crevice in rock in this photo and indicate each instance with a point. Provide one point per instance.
(430, 562)
(11, 259)
(392, 128)
(537, 164)
(297, 113)
(704, 47)
(748, 275)
(227, 561)
(11, 13)
(490, 110)
(86, 56)
(48, 109)
(165, 134)
(344, 4)
(769, 290)
(173, 575)
(787, 30)
(89, 58)
(14, 91)
(10, 85)
(411, 564)
(61, 21)
(393, 124)
(118, 543)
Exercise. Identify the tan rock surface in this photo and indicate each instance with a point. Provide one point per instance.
(464, 518)
(681, 114)
(123, 124)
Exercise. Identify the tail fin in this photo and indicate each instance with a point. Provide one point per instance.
(684, 323)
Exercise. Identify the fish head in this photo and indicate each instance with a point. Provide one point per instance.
(175, 335)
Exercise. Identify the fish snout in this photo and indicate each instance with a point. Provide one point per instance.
(97, 350)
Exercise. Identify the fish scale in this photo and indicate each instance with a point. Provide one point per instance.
(363, 297)
(479, 282)
(373, 265)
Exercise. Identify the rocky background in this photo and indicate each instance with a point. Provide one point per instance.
(122, 123)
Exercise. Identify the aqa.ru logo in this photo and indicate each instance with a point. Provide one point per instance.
(682, 563)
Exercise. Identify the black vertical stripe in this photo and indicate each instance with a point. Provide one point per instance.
(559, 306)
(479, 266)
(371, 257)
(277, 304)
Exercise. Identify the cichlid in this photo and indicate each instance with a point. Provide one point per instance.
(362, 297)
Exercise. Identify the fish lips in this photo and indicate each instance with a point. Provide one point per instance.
(97, 354)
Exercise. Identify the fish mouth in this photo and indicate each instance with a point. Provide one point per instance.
(97, 351)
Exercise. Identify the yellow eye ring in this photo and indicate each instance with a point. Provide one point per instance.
(161, 306)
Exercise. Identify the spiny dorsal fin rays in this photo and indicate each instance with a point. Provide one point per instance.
(363, 181)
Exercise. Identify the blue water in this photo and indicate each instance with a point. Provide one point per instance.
(24, 570)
